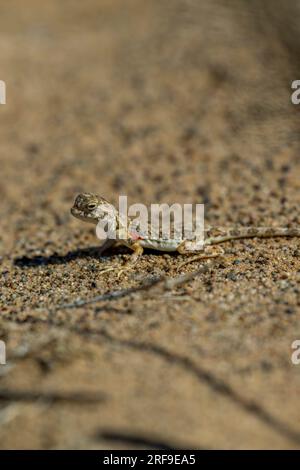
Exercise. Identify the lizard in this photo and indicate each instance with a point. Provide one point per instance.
(93, 208)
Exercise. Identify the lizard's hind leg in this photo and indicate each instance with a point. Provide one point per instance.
(208, 252)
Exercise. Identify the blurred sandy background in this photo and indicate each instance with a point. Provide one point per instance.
(165, 101)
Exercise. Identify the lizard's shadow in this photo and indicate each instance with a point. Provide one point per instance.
(55, 258)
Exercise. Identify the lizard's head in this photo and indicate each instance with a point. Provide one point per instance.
(91, 208)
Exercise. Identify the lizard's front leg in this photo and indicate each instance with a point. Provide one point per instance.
(207, 252)
(137, 252)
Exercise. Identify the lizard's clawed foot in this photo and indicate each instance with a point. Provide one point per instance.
(119, 270)
(107, 270)
(129, 266)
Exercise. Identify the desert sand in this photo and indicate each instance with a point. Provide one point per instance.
(163, 101)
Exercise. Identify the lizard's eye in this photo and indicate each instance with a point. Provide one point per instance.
(92, 206)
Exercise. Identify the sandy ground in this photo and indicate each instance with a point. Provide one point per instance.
(164, 101)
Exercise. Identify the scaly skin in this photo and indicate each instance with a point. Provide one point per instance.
(93, 208)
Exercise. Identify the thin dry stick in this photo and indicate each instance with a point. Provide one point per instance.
(168, 283)
(117, 294)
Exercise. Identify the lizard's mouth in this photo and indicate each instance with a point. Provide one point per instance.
(76, 213)
(81, 216)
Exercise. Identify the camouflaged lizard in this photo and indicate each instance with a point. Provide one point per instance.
(93, 208)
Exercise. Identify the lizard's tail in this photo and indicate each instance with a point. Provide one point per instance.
(224, 235)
